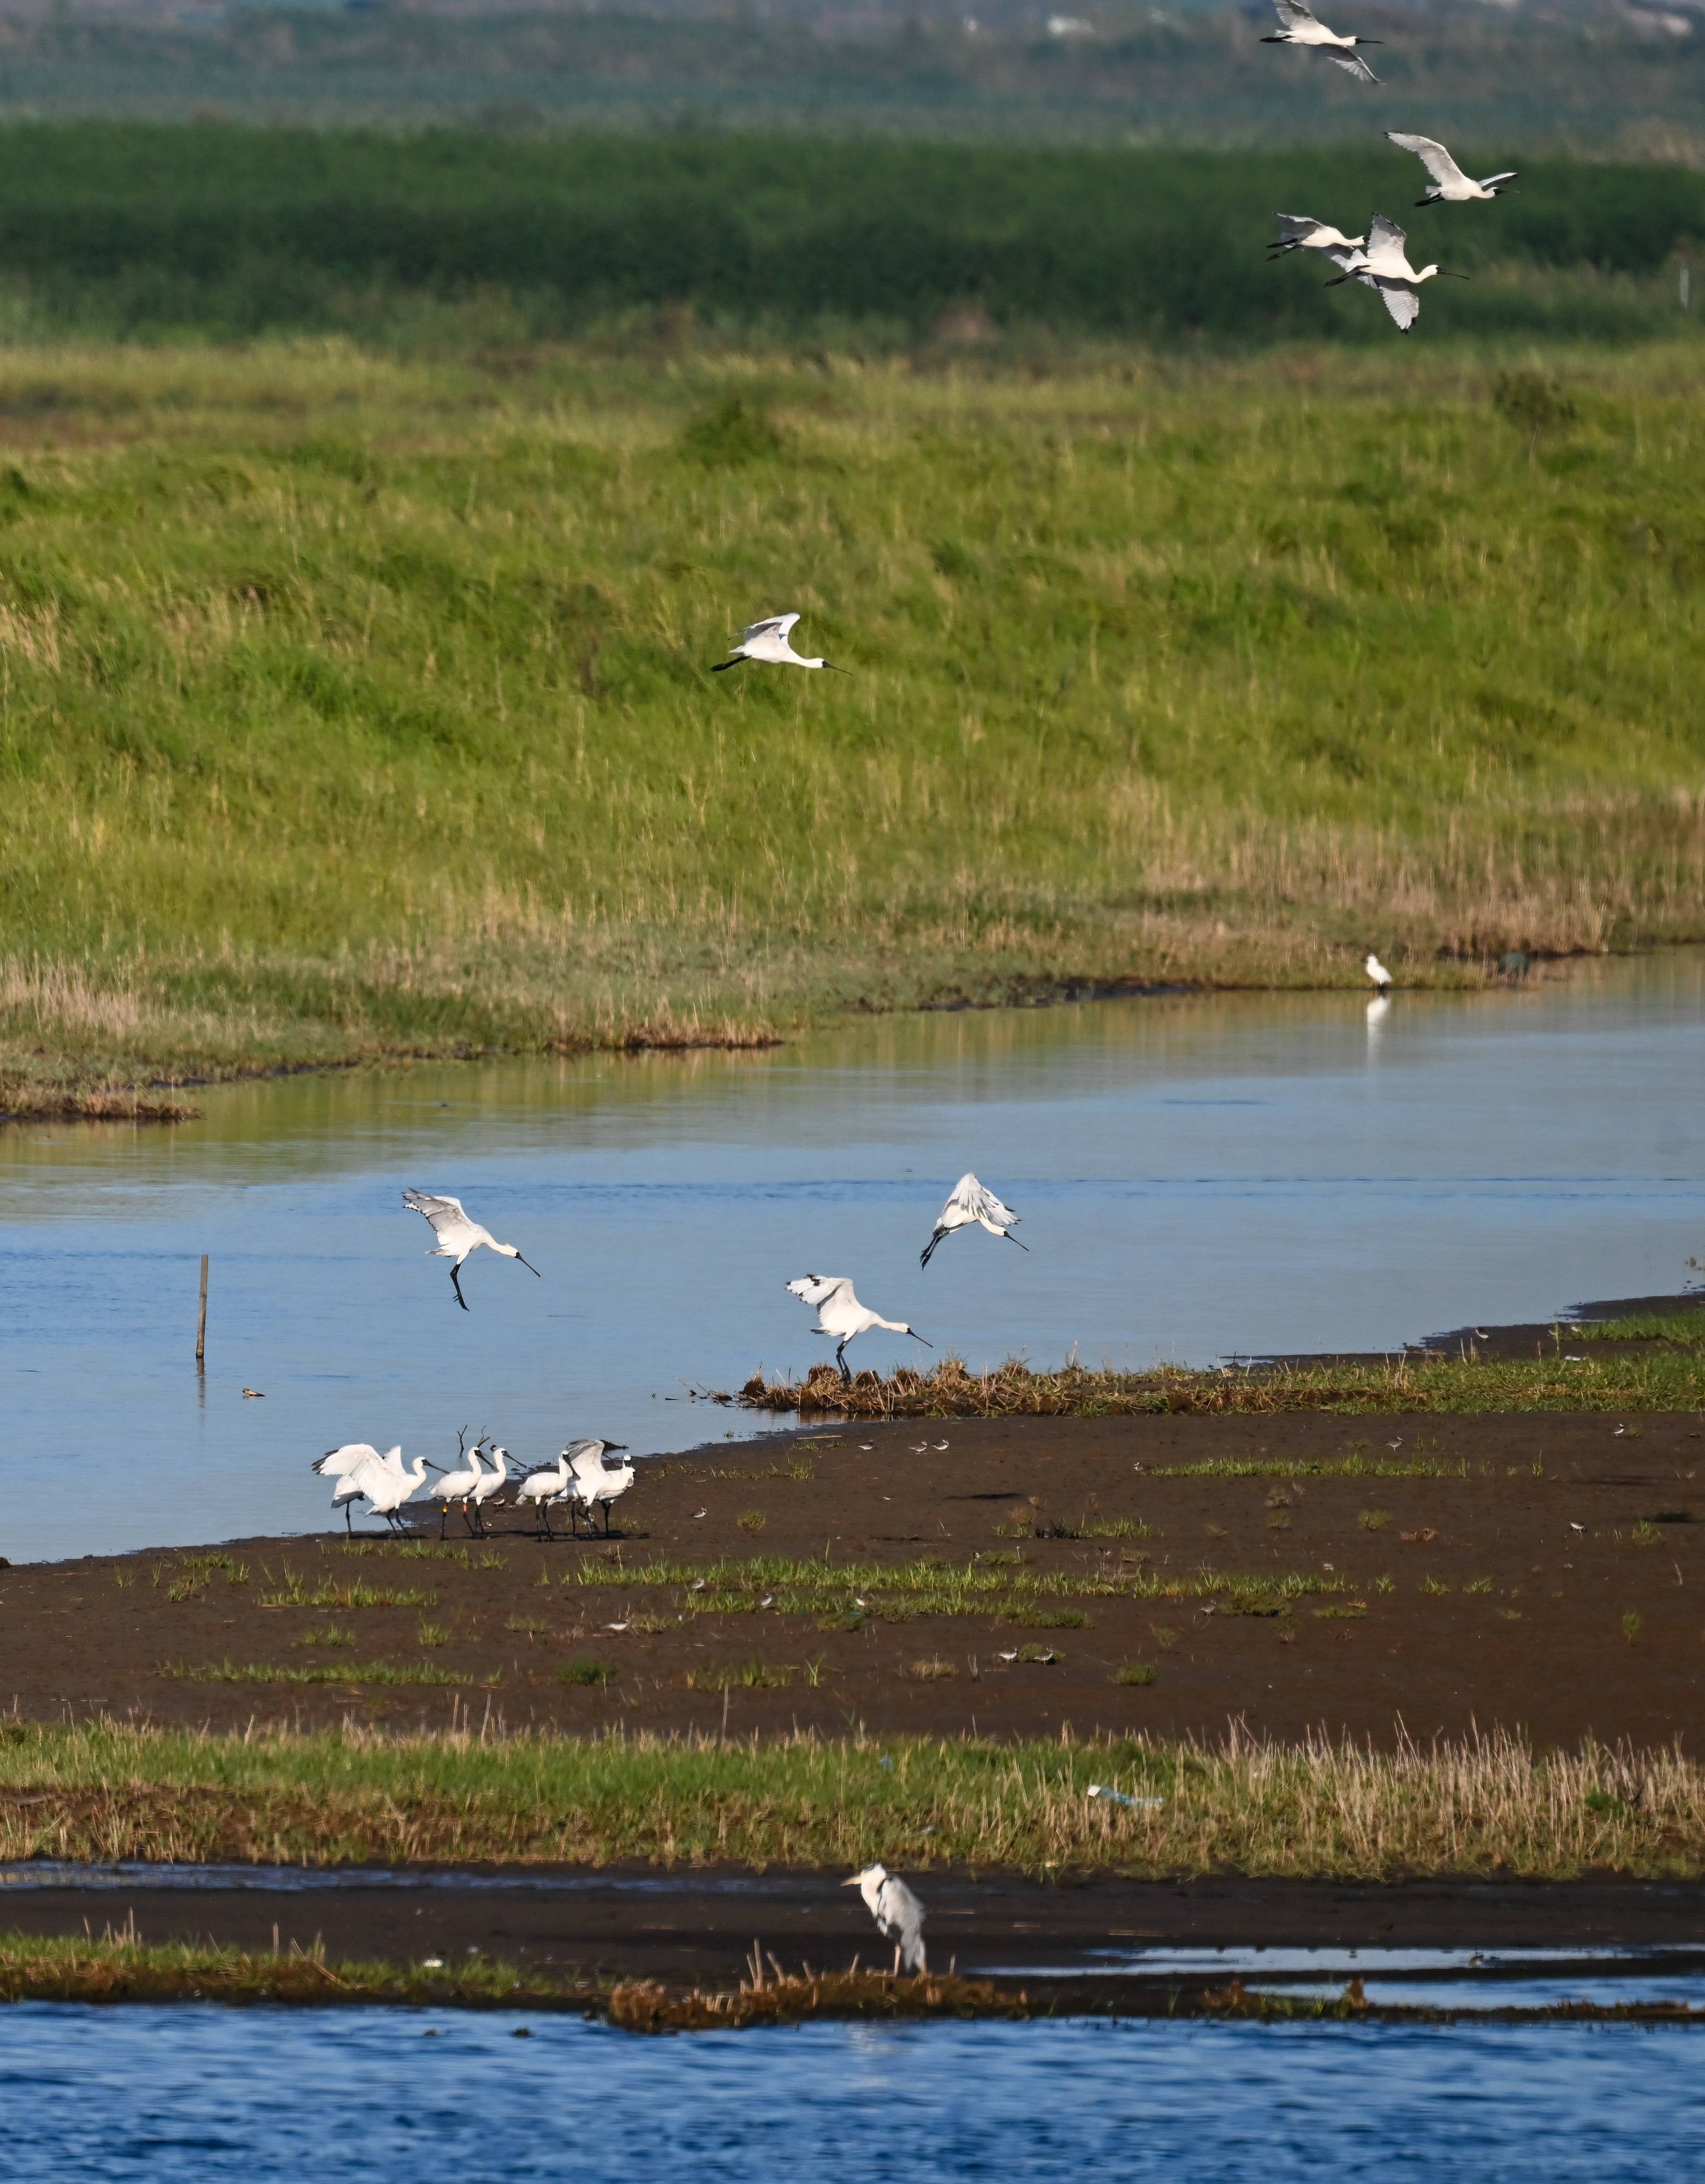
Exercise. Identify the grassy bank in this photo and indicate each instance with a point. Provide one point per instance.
(109, 1791)
(355, 707)
(1669, 1377)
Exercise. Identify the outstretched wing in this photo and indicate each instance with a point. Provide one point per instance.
(771, 625)
(1486, 181)
(586, 1462)
(442, 1212)
(1294, 16)
(1347, 258)
(337, 1462)
(1384, 235)
(1351, 63)
(1295, 227)
(980, 1203)
(1401, 302)
(1432, 155)
(816, 1290)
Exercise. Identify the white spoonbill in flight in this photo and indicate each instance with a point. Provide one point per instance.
(839, 1313)
(897, 1912)
(1302, 29)
(457, 1235)
(1378, 973)
(1384, 266)
(1297, 231)
(971, 1202)
(1450, 186)
(769, 641)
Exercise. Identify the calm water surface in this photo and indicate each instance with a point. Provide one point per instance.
(343, 2096)
(1196, 1177)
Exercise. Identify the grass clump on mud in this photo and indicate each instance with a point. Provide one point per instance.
(358, 703)
(1668, 1380)
(108, 1790)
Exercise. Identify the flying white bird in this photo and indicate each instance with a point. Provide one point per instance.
(1302, 29)
(1298, 232)
(897, 1912)
(596, 1482)
(457, 1235)
(839, 1313)
(1378, 973)
(1450, 186)
(768, 641)
(1384, 266)
(970, 1202)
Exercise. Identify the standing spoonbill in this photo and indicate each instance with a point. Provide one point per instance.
(1386, 266)
(1378, 973)
(596, 1481)
(348, 1466)
(840, 1313)
(897, 1912)
(490, 1482)
(457, 1485)
(1297, 231)
(457, 1235)
(769, 643)
(968, 1203)
(1450, 186)
(1302, 29)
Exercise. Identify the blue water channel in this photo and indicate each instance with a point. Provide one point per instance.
(1196, 1176)
(341, 2097)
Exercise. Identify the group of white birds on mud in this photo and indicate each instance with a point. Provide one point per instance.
(1380, 258)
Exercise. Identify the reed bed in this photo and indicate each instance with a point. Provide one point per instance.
(1670, 1379)
(107, 1790)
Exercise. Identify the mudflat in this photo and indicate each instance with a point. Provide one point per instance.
(1008, 1577)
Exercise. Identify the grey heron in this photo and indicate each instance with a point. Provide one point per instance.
(897, 1912)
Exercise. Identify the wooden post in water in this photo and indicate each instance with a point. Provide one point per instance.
(201, 1321)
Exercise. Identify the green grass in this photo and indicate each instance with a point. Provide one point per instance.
(354, 1594)
(110, 1791)
(357, 704)
(598, 1673)
(336, 1671)
(1684, 1328)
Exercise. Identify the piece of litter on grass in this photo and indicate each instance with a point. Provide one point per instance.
(768, 1599)
(1118, 1798)
(433, 1964)
(697, 1514)
(1569, 1358)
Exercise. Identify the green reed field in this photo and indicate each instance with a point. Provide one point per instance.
(354, 696)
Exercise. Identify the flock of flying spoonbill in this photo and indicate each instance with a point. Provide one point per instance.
(1380, 258)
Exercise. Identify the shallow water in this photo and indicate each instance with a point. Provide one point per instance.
(342, 2097)
(1197, 1177)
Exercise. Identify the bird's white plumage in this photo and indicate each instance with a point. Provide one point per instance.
(769, 643)
(840, 1314)
(1450, 186)
(897, 1912)
(1377, 972)
(456, 1235)
(1303, 29)
(598, 1483)
(1297, 231)
(1384, 266)
(970, 1203)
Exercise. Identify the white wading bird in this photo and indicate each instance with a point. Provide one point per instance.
(897, 1912)
(386, 1492)
(970, 1203)
(596, 1481)
(839, 1313)
(768, 642)
(1297, 231)
(1384, 265)
(348, 1464)
(1450, 186)
(490, 1483)
(1302, 29)
(1378, 973)
(545, 1484)
(458, 1485)
(457, 1235)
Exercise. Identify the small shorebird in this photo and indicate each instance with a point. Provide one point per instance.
(457, 1235)
(970, 1202)
(1297, 231)
(897, 1912)
(839, 1313)
(1302, 29)
(1378, 973)
(1450, 186)
(768, 643)
(1384, 266)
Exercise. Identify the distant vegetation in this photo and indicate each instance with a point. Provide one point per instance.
(112, 229)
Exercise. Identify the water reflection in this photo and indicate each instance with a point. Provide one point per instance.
(1196, 1177)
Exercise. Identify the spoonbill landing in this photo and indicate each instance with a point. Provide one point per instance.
(597, 1483)
(1378, 973)
(1302, 29)
(457, 1235)
(1297, 231)
(1450, 186)
(897, 1912)
(1384, 266)
(971, 1202)
(839, 1313)
(769, 641)
(348, 1465)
